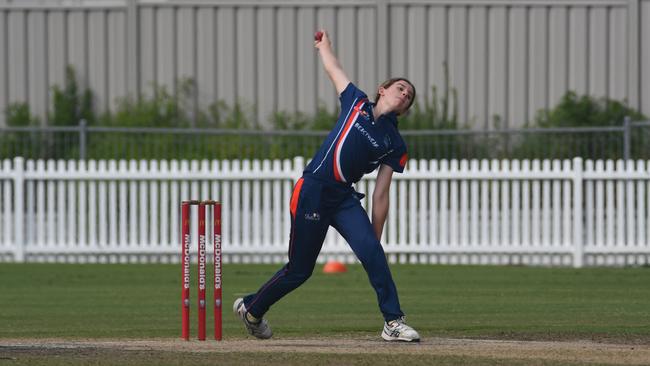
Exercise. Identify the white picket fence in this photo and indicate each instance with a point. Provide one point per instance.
(564, 213)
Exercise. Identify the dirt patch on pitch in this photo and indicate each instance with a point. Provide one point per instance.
(582, 351)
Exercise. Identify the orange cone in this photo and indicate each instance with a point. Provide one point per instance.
(334, 267)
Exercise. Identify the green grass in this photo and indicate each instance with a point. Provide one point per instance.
(143, 301)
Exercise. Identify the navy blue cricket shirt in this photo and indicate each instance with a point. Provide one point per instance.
(358, 144)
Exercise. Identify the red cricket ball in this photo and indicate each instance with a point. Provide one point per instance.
(318, 36)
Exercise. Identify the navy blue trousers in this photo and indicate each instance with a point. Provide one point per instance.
(315, 205)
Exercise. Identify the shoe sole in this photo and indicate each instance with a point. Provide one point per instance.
(398, 339)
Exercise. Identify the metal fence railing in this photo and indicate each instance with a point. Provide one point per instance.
(629, 141)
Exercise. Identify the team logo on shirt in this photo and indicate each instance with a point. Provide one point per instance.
(314, 216)
(365, 133)
(364, 114)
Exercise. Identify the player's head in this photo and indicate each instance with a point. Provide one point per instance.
(397, 93)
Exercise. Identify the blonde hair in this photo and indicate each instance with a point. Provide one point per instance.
(386, 84)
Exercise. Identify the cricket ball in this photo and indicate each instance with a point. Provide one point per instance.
(318, 36)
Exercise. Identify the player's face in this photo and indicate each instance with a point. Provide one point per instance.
(397, 96)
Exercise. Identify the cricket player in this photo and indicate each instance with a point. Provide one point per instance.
(364, 138)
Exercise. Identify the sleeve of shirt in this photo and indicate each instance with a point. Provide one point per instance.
(349, 95)
(397, 160)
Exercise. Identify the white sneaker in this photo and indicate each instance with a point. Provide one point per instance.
(259, 329)
(397, 330)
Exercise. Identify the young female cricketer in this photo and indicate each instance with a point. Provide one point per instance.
(364, 138)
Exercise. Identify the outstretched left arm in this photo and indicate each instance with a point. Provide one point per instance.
(380, 199)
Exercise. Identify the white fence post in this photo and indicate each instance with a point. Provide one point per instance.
(19, 209)
(578, 241)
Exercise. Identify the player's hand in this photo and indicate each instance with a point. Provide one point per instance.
(322, 39)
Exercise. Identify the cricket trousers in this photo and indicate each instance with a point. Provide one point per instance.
(315, 205)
